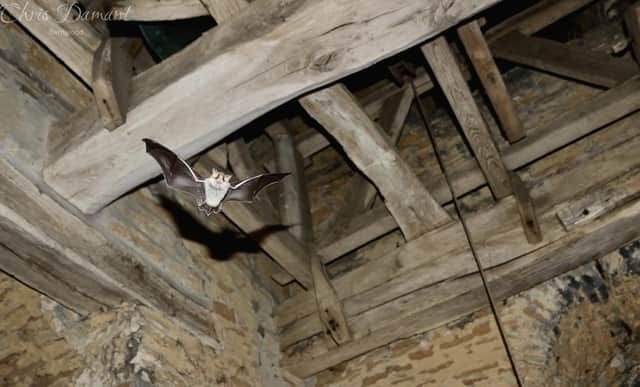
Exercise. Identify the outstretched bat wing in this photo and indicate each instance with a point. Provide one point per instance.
(177, 173)
(247, 189)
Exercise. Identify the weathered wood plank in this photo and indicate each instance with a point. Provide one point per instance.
(362, 194)
(593, 67)
(607, 107)
(69, 292)
(579, 247)
(632, 22)
(496, 230)
(413, 207)
(491, 79)
(151, 10)
(223, 10)
(72, 40)
(287, 59)
(111, 81)
(446, 70)
(35, 226)
(294, 207)
(527, 210)
(365, 228)
(535, 18)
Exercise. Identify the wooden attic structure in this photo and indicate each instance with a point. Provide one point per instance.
(543, 189)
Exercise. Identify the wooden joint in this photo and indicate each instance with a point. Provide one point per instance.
(527, 210)
(111, 81)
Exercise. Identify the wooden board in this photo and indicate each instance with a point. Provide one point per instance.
(72, 41)
(411, 205)
(574, 250)
(58, 244)
(593, 67)
(488, 73)
(499, 236)
(111, 81)
(476, 131)
(605, 108)
(600, 111)
(223, 10)
(152, 10)
(535, 18)
(195, 91)
(632, 22)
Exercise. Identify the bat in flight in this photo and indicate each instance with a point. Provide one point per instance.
(213, 191)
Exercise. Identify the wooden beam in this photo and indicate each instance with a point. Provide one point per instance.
(67, 284)
(442, 253)
(60, 245)
(412, 206)
(491, 79)
(361, 194)
(527, 210)
(632, 22)
(223, 10)
(111, 81)
(294, 206)
(446, 70)
(296, 213)
(602, 110)
(535, 18)
(73, 41)
(593, 67)
(151, 10)
(570, 252)
(287, 60)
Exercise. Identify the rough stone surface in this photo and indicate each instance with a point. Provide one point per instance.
(32, 353)
(45, 344)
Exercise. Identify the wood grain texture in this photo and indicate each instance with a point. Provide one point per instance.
(362, 194)
(592, 67)
(527, 210)
(412, 206)
(535, 18)
(192, 92)
(72, 41)
(446, 70)
(111, 81)
(491, 79)
(496, 230)
(294, 199)
(605, 108)
(151, 10)
(632, 22)
(576, 249)
(36, 228)
(570, 126)
(223, 10)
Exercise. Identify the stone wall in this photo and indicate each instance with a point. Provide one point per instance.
(42, 344)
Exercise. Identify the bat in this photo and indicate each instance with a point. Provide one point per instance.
(210, 193)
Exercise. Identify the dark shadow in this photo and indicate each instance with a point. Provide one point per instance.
(220, 245)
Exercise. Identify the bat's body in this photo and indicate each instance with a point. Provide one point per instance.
(213, 191)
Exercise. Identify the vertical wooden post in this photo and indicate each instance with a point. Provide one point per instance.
(632, 21)
(447, 72)
(491, 79)
(295, 212)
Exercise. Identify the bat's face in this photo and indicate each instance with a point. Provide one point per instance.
(215, 190)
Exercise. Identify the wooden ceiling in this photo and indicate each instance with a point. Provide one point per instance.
(550, 211)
